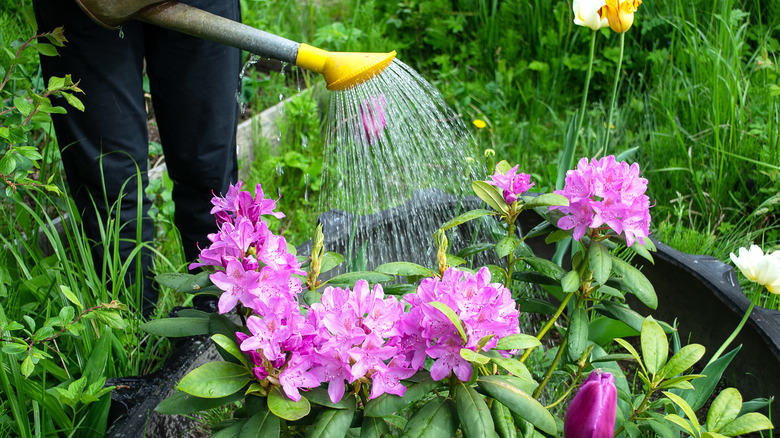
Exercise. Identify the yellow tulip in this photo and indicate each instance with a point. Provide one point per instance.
(619, 13)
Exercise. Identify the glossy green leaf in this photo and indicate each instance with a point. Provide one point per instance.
(374, 427)
(474, 249)
(404, 269)
(71, 296)
(181, 403)
(503, 421)
(231, 431)
(535, 305)
(465, 217)
(724, 409)
(491, 196)
(599, 261)
(473, 412)
(578, 333)
(350, 278)
(545, 267)
(283, 407)
(262, 423)
(570, 282)
(642, 250)
(603, 330)
(231, 347)
(387, 404)
(331, 423)
(752, 422)
(452, 316)
(435, 419)
(630, 348)
(214, 380)
(519, 402)
(506, 246)
(516, 368)
(330, 260)
(535, 278)
(178, 327)
(556, 236)
(320, 396)
(655, 347)
(685, 358)
(682, 422)
(705, 386)
(636, 282)
(685, 408)
(519, 341)
(473, 356)
(545, 200)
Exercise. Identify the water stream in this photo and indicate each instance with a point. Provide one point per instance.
(398, 160)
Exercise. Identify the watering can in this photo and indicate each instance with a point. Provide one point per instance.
(341, 70)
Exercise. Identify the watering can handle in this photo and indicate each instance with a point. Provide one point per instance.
(192, 21)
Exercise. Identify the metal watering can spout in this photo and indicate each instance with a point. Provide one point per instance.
(341, 70)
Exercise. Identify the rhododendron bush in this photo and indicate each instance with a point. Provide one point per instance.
(342, 357)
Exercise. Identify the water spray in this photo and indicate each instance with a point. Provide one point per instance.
(341, 70)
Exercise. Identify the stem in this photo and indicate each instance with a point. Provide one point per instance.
(581, 117)
(549, 324)
(756, 294)
(614, 92)
(553, 365)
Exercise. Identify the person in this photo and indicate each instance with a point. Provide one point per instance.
(193, 84)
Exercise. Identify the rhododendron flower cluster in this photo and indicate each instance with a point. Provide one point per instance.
(485, 309)
(511, 183)
(352, 336)
(606, 193)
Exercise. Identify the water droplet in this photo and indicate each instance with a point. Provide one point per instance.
(279, 169)
(121, 32)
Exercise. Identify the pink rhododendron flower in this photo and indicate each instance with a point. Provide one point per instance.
(483, 307)
(511, 183)
(606, 193)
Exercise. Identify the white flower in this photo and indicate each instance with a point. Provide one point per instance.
(758, 267)
(586, 13)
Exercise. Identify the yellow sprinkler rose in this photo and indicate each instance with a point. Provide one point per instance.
(619, 13)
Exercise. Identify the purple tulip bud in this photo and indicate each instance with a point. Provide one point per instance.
(592, 412)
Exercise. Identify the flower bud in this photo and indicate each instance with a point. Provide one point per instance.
(591, 413)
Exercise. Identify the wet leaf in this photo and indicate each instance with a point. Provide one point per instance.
(283, 407)
(214, 380)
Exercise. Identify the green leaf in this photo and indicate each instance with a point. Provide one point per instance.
(516, 368)
(522, 404)
(74, 101)
(603, 330)
(556, 236)
(45, 49)
(283, 407)
(350, 278)
(28, 366)
(387, 404)
(680, 382)
(705, 386)
(630, 348)
(636, 282)
(435, 419)
(473, 357)
(473, 249)
(680, 421)
(465, 217)
(578, 333)
(181, 403)
(473, 412)
(452, 316)
(374, 427)
(231, 347)
(403, 269)
(491, 196)
(535, 305)
(686, 408)
(642, 250)
(517, 341)
(14, 348)
(545, 200)
(24, 106)
(599, 261)
(331, 423)
(621, 312)
(570, 282)
(747, 423)
(655, 347)
(320, 396)
(536, 278)
(231, 431)
(502, 418)
(55, 83)
(178, 327)
(724, 409)
(214, 380)
(262, 424)
(545, 267)
(685, 358)
(330, 260)
(506, 246)
(110, 317)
